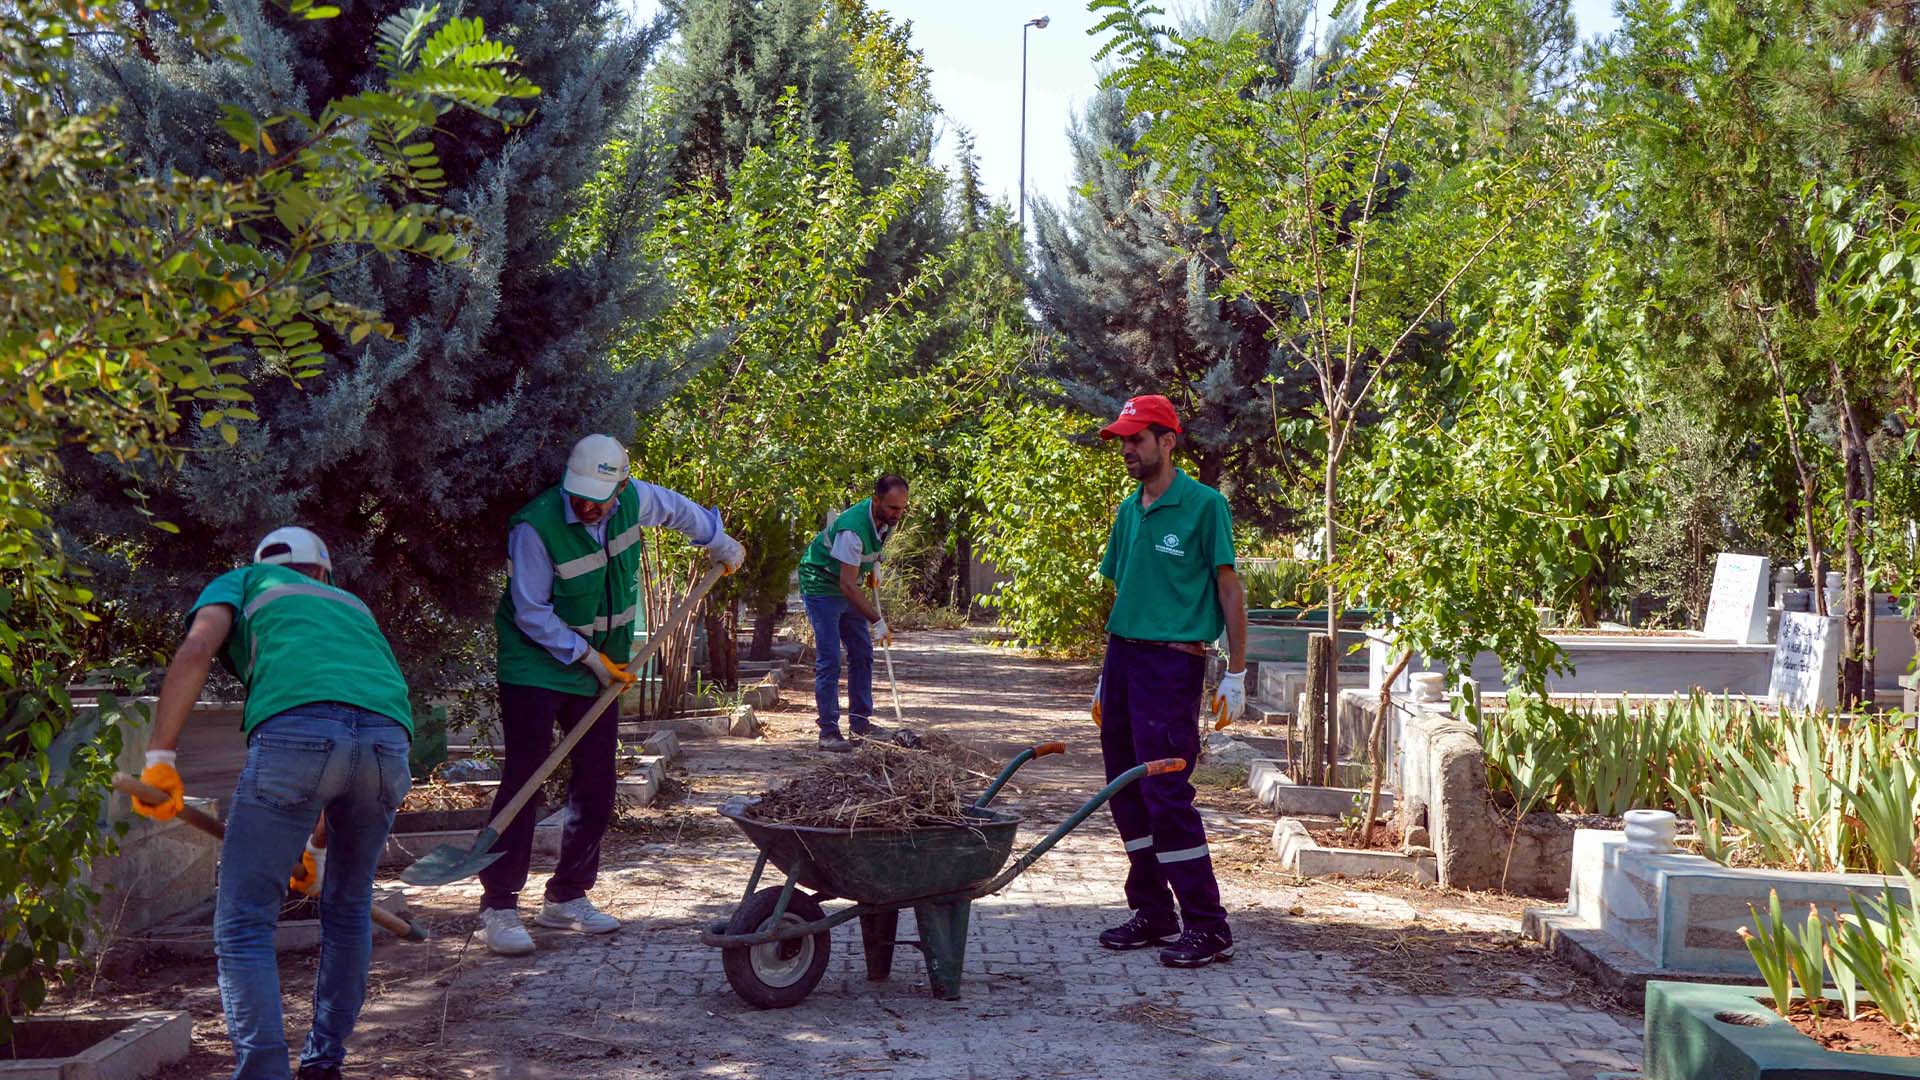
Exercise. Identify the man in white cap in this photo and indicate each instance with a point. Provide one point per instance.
(566, 625)
(328, 726)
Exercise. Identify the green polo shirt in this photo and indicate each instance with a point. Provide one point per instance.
(1163, 563)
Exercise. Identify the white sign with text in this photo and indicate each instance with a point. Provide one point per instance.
(1806, 662)
(1737, 608)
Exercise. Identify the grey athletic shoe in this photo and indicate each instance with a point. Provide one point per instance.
(832, 743)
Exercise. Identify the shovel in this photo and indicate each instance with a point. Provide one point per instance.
(902, 735)
(207, 823)
(447, 864)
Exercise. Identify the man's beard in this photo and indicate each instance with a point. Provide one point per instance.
(1139, 469)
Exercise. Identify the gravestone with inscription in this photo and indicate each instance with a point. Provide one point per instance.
(1806, 662)
(1737, 608)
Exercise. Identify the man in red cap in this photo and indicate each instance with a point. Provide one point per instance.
(1170, 557)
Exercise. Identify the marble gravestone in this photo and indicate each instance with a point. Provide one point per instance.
(1737, 607)
(1806, 662)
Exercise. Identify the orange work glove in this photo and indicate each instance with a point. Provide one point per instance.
(1096, 700)
(161, 773)
(606, 670)
(311, 872)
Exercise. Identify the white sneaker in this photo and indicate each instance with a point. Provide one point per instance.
(577, 914)
(500, 928)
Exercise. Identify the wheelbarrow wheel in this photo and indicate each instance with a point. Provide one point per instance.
(778, 974)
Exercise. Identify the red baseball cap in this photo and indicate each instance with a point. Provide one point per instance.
(1139, 412)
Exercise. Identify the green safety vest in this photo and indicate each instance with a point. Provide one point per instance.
(296, 641)
(596, 591)
(819, 570)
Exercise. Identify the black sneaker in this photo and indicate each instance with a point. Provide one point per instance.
(1198, 948)
(318, 1072)
(1141, 931)
(832, 743)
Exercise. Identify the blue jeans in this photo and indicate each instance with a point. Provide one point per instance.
(350, 764)
(837, 624)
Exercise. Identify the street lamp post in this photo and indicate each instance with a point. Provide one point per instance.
(1038, 24)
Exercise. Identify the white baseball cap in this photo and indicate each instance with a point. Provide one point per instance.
(294, 546)
(596, 468)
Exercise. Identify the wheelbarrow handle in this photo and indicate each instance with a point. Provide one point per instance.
(1151, 768)
(396, 925)
(1013, 766)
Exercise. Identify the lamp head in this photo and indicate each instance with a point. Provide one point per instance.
(1039, 23)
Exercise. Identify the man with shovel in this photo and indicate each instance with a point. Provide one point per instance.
(846, 553)
(565, 626)
(328, 726)
(1170, 557)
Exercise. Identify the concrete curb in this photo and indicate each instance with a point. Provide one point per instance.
(139, 1046)
(1300, 853)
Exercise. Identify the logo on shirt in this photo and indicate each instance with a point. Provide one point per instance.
(1169, 545)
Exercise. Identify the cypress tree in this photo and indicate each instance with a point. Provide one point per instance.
(406, 455)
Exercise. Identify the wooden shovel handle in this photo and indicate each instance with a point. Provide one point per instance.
(212, 826)
(151, 795)
(656, 638)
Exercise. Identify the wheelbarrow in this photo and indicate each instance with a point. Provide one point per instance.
(775, 947)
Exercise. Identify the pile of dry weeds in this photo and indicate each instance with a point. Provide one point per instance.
(882, 786)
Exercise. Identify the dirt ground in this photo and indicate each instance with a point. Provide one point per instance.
(648, 1000)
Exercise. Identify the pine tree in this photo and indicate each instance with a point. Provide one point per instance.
(736, 59)
(405, 455)
(1130, 293)
(850, 67)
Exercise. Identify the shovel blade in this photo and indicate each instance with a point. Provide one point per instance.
(447, 864)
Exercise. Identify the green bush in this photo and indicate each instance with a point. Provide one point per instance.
(1049, 507)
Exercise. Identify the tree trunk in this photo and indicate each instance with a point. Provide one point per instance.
(1808, 492)
(723, 660)
(963, 568)
(1856, 667)
(1331, 685)
(1375, 750)
(1314, 750)
(766, 620)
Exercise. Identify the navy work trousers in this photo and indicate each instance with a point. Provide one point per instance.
(1150, 709)
(528, 716)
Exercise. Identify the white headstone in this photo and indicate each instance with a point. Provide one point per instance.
(1737, 608)
(1806, 662)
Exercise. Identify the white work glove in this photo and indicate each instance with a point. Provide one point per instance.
(605, 669)
(1097, 684)
(726, 551)
(1229, 698)
(881, 633)
(312, 871)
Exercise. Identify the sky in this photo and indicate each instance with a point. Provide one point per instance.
(973, 49)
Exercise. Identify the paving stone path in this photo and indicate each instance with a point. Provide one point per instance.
(1322, 987)
(1040, 1000)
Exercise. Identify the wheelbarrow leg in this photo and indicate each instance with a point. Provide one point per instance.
(943, 939)
(877, 933)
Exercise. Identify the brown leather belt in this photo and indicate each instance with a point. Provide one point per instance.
(1191, 648)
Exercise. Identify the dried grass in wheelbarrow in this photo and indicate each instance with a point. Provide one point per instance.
(879, 786)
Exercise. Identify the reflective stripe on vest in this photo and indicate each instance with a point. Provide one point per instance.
(591, 561)
(603, 623)
(279, 592)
